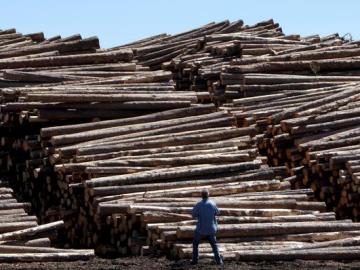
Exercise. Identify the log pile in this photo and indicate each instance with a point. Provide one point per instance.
(74, 86)
(174, 150)
(141, 184)
(257, 72)
(119, 142)
(304, 105)
(318, 141)
(203, 70)
(22, 239)
(51, 82)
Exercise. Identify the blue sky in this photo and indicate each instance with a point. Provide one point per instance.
(118, 22)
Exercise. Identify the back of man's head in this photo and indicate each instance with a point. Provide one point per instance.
(205, 194)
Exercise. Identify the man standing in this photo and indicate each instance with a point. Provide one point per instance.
(205, 212)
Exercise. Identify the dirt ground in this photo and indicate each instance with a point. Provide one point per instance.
(146, 263)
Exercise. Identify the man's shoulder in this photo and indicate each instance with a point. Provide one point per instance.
(199, 203)
(211, 202)
(202, 202)
(206, 202)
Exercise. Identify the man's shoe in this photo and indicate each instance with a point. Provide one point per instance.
(194, 262)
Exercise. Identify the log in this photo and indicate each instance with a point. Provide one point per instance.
(121, 55)
(21, 234)
(46, 257)
(329, 254)
(181, 172)
(266, 229)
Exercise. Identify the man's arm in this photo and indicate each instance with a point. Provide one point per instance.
(217, 211)
(195, 211)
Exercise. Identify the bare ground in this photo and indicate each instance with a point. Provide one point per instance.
(154, 263)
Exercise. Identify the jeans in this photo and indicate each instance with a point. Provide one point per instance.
(212, 240)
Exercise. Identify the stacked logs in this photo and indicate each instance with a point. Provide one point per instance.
(49, 83)
(253, 216)
(25, 153)
(22, 239)
(159, 51)
(307, 115)
(199, 69)
(324, 147)
(116, 143)
(80, 84)
(249, 44)
(166, 150)
(286, 71)
(76, 82)
(141, 180)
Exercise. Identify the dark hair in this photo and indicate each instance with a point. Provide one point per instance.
(205, 194)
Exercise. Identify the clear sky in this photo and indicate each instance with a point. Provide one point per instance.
(121, 21)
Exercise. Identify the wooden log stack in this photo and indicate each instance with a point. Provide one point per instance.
(119, 142)
(75, 86)
(324, 149)
(139, 187)
(22, 239)
(303, 104)
(163, 150)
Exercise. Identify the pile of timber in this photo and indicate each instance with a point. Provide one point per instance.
(51, 82)
(256, 72)
(119, 143)
(167, 150)
(79, 84)
(304, 106)
(255, 215)
(141, 180)
(22, 239)
(199, 70)
(318, 141)
(58, 81)
(204, 69)
(158, 51)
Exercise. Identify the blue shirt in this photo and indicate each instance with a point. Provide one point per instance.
(205, 212)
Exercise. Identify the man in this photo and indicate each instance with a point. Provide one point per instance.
(205, 212)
